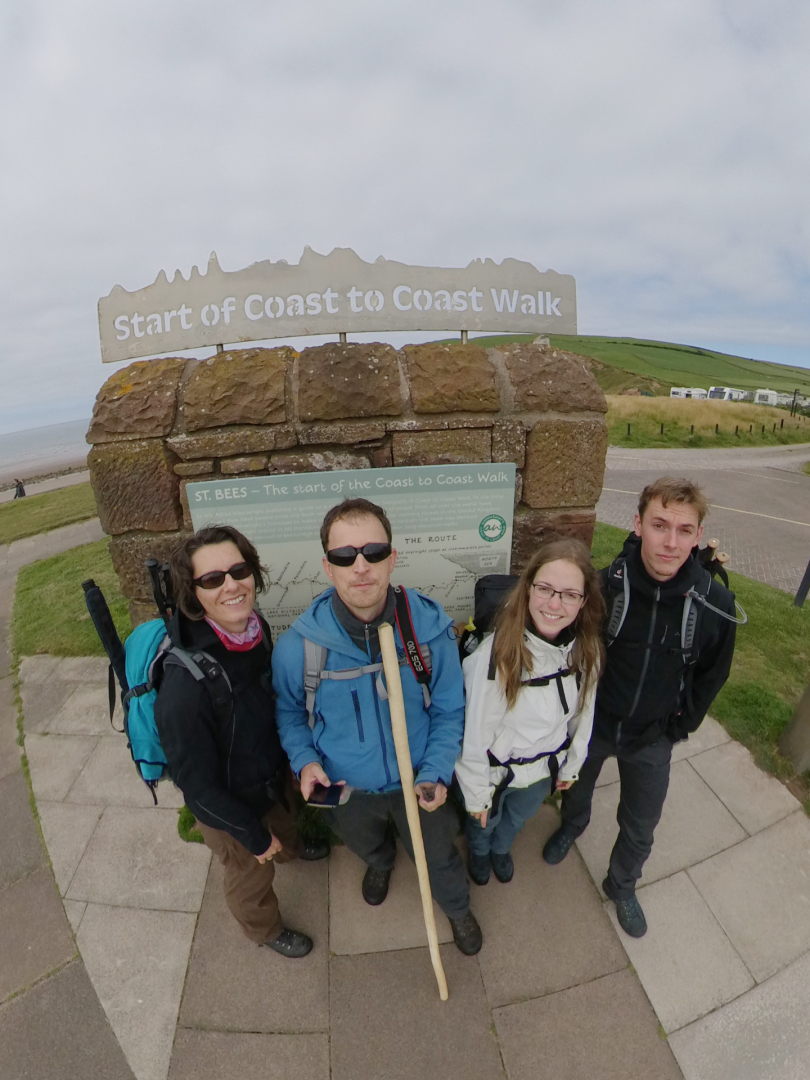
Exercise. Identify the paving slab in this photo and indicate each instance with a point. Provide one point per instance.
(58, 1031)
(109, 778)
(544, 930)
(55, 761)
(756, 799)
(67, 830)
(603, 1029)
(135, 858)
(233, 985)
(707, 736)
(213, 1055)
(686, 964)
(38, 670)
(694, 825)
(83, 669)
(9, 750)
(35, 937)
(388, 1021)
(84, 712)
(760, 893)
(21, 850)
(75, 909)
(763, 1035)
(137, 961)
(355, 927)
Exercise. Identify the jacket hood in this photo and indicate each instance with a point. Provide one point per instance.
(320, 625)
(675, 589)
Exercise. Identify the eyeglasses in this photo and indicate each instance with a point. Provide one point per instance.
(345, 556)
(214, 578)
(568, 597)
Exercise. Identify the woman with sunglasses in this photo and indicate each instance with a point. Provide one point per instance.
(530, 693)
(228, 762)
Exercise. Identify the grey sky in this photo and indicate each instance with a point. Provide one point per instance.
(656, 151)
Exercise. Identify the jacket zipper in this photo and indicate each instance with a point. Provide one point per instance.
(646, 663)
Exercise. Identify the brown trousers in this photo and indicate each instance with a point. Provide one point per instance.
(249, 890)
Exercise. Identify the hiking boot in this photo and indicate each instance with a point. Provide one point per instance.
(290, 943)
(557, 846)
(628, 912)
(312, 850)
(467, 934)
(478, 868)
(502, 866)
(375, 885)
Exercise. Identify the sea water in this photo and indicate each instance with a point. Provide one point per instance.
(42, 450)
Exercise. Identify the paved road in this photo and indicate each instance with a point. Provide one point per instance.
(760, 502)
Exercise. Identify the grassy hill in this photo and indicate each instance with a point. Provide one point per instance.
(633, 363)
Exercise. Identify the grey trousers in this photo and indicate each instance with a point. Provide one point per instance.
(364, 825)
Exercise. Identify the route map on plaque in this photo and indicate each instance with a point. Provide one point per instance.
(451, 525)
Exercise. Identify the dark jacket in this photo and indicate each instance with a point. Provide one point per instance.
(229, 767)
(648, 688)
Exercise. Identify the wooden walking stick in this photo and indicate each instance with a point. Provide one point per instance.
(396, 707)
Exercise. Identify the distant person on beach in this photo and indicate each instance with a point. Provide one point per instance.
(530, 695)
(231, 769)
(19, 489)
(660, 679)
(334, 718)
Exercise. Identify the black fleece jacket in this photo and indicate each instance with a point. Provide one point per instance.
(644, 690)
(230, 767)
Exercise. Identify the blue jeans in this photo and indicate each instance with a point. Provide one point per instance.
(517, 805)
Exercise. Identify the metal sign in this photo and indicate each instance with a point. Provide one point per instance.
(331, 294)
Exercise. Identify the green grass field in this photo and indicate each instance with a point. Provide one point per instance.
(655, 366)
(40, 513)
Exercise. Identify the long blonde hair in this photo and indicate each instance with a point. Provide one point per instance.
(510, 654)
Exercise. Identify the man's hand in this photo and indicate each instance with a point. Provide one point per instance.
(563, 785)
(311, 775)
(275, 847)
(481, 816)
(431, 796)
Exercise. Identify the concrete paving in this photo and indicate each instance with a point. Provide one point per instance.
(120, 959)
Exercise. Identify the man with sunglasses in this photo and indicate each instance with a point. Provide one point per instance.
(348, 740)
(656, 688)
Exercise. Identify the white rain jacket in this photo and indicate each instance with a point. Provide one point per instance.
(538, 722)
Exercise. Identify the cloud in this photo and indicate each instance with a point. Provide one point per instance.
(656, 152)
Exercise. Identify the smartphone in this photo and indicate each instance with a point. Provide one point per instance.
(334, 795)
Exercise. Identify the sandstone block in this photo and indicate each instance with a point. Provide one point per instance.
(317, 461)
(351, 433)
(231, 441)
(565, 463)
(457, 446)
(235, 466)
(549, 380)
(203, 467)
(137, 402)
(533, 527)
(380, 457)
(241, 386)
(135, 486)
(128, 555)
(451, 378)
(337, 381)
(509, 442)
(425, 423)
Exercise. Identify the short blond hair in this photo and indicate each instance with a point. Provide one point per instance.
(670, 489)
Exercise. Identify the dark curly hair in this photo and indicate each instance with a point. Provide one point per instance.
(185, 594)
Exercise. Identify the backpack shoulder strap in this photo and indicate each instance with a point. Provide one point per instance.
(619, 585)
(204, 669)
(314, 660)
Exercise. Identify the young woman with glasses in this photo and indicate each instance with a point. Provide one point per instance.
(227, 758)
(530, 690)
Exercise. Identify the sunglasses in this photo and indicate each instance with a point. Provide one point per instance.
(214, 578)
(345, 556)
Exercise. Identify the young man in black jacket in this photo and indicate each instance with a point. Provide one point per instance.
(657, 684)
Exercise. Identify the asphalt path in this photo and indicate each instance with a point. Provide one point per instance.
(760, 501)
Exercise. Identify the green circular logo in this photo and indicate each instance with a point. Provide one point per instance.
(492, 528)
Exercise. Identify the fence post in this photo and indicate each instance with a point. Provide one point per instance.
(717, 429)
(628, 431)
